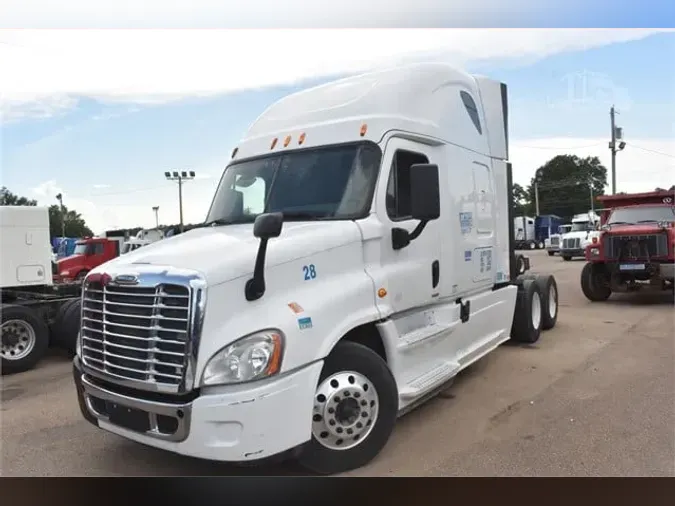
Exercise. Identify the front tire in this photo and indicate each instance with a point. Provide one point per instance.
(594, 283)
(355, 409)
(566, 258)
(551, 253)
(25, 339)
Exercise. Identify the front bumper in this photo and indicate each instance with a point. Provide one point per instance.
(234, 424)
(575, 252)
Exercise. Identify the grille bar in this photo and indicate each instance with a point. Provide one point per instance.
(636, 247)
(137, 333)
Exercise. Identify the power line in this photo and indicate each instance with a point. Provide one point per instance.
(560, 148)
(652, 151)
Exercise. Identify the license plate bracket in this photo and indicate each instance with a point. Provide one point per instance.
(632, 267)
(129, 418)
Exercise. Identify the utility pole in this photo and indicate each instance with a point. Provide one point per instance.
(59, 197)
(180, 177)
(536, 197)
(590, 186)
(156, 209)
(612, 144)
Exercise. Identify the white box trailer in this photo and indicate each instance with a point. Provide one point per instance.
(358, 254)
(33, 309)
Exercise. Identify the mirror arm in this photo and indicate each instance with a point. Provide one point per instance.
(255, 287)
(418, 229)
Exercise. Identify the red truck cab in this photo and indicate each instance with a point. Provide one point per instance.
(636, 246)
(89, 253)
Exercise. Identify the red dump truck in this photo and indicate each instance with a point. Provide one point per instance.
(636, 247)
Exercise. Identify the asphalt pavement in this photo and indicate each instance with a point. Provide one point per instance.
(594, 397)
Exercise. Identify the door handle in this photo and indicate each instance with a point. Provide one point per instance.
(435, 273)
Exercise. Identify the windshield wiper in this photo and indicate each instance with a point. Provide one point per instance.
(223, 221)
(620, 223)
(303, 216)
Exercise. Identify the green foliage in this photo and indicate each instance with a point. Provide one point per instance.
(7, 198)
(75, 224)
(565, 183)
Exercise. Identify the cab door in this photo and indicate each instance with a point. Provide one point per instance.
(412, 273)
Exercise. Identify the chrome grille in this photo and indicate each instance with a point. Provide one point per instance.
(571, 243)
(136, 333)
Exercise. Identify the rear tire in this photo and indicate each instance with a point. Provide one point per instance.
(566, 258)
(352, 375)
(551, 253)
(25, 339)
(549, 299)
(56, 328)
(594, 283)
(527, 318)
(72, 319)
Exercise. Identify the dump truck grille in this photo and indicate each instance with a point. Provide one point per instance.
(636, 247)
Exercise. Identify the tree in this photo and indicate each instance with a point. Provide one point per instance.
(521, 200)
(564, 185)
(75, 224)
(7, 198)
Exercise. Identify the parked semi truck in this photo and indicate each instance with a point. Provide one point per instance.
(553, 244)
(635, 249)
(534, 233)
(35, 311)
(90, 252)
(357, 255)
(584, 228)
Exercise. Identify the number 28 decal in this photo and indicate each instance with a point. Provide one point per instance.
(309, 271)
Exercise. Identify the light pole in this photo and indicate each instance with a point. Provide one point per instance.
(180, 177)
(617, 134)
(59, 197)
(156, 209)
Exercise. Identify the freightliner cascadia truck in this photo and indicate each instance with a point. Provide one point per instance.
(357, 255)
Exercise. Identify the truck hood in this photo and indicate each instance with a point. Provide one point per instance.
(69, 262)
(574, 235)
(223, 253)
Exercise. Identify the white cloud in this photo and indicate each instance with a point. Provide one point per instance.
(43, 70)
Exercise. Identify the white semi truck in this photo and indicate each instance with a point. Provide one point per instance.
(357, 255)
(35, 311)
(584, 227)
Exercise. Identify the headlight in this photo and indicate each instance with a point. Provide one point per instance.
(253, 357)
(595, 252)
(65, 273)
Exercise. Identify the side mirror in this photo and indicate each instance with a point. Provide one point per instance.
(425, 200)
(265, 227)
(268, 226)
(425, 203)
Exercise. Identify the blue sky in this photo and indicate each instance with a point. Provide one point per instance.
(106, 150)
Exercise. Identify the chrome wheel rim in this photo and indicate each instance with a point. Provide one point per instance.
(536, 310)
(18, 339)
(552, 301)
(346, 406)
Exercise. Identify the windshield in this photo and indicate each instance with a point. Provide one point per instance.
(563, 229)
(325, 183)
(80, 248)
(582, 227)
(642, 214)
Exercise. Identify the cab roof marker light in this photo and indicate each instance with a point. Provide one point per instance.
(301, 139)
(364, 129)
(274, 143)
(287, 141)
